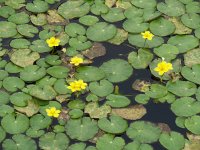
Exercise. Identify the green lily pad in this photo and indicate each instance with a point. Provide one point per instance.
(181, 88)
(58, 71)
(6, 11)
(81, 129)
(166, 51)
(185, 107)
(3, 74)
(20, 99)
(101, 31)
(15, 124)
(53, 141)
(137, 40)
(73, 9)
(20, 43)
(4, 97)
(2, 134)
(157, 91)
(193, 7)
(24, 57)
(184, 42)
(101, 89)
(135, 25)
(39, 121)
(19, 141)
(144, 3)
(119, 38)
(114, 125)
(7, 29)
(79, 44)
(172, 140)
(151, 14)
(27, 30)
(89, 73)
(192, 74)
(5, 109)
(19, 18)
(99, 8)
(113, 15)
(197, 94)
(38, 6)
(60, 87)
(142, 98)
(40, 46)
(77, 146)
(47, 80)
(192, 124)
(95, 111)
(133, 12)
(32, 73)
(75, 113)
(48, 105)
(165, 27)
(192, 57)
(140, 59)
(171, 8)
(117, 70)
(75, 29)
(12, 84)
(197, 33)
(191, 20)
(53, 60)
(44, 93)
(110, 142)
(117, 100)
(137, 146)
(34, 133)
(76, 104)
(144, 132)
(88, 20)
(39, 19)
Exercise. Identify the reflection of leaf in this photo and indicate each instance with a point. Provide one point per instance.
(134, 112)
(96, 50)
(31, 109)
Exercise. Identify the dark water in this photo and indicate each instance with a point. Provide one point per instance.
(156, 113)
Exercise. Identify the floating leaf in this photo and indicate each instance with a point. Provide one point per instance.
(117, 70)
(19, 18)
(2, 134)
(172, 141)
(117, 100)
(20, 43)
(144, 3)
(95, 111)
(157, 91)
(19, 141)
(58, 71)
(88, 20)
(137, 145)
(165, 27)
(119, 38)
(109, 142)
(5, 109)
(140, 59)
(101, 89)
(15, 124)
(24, 57)
(191, 20)
(192, 57)
(12, 84)
(54, 18)
(185, 107)
(184, 42)
(113, 15)
(60, 87)
(75, 29)
(101, 31)
(193, 124)
(20, 99)
(27, 30)
(39, 121)
(181, 88)
(81, 129)
(7, 29)
(4, 97)
(37, 6)
(114, 125)
(53, 141)
(89, 73)
(73, 9)
(32, 73)
(144, 132)
(171, 8)
(39, 19)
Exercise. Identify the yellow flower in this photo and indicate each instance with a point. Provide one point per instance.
(163, 67)
(147, 35)
(76, 60)
(53, 42)
(52, 112)
(77, 85)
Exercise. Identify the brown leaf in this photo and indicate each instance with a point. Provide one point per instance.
(164, 127)
(31, 109)
(141, 85)
(97, 136)
(134, 112)
(54, 18)
(96, 50)
(62, 98)
(194, 142)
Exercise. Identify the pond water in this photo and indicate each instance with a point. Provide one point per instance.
(156, 112)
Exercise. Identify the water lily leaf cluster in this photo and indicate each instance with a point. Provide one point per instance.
(58, 92)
